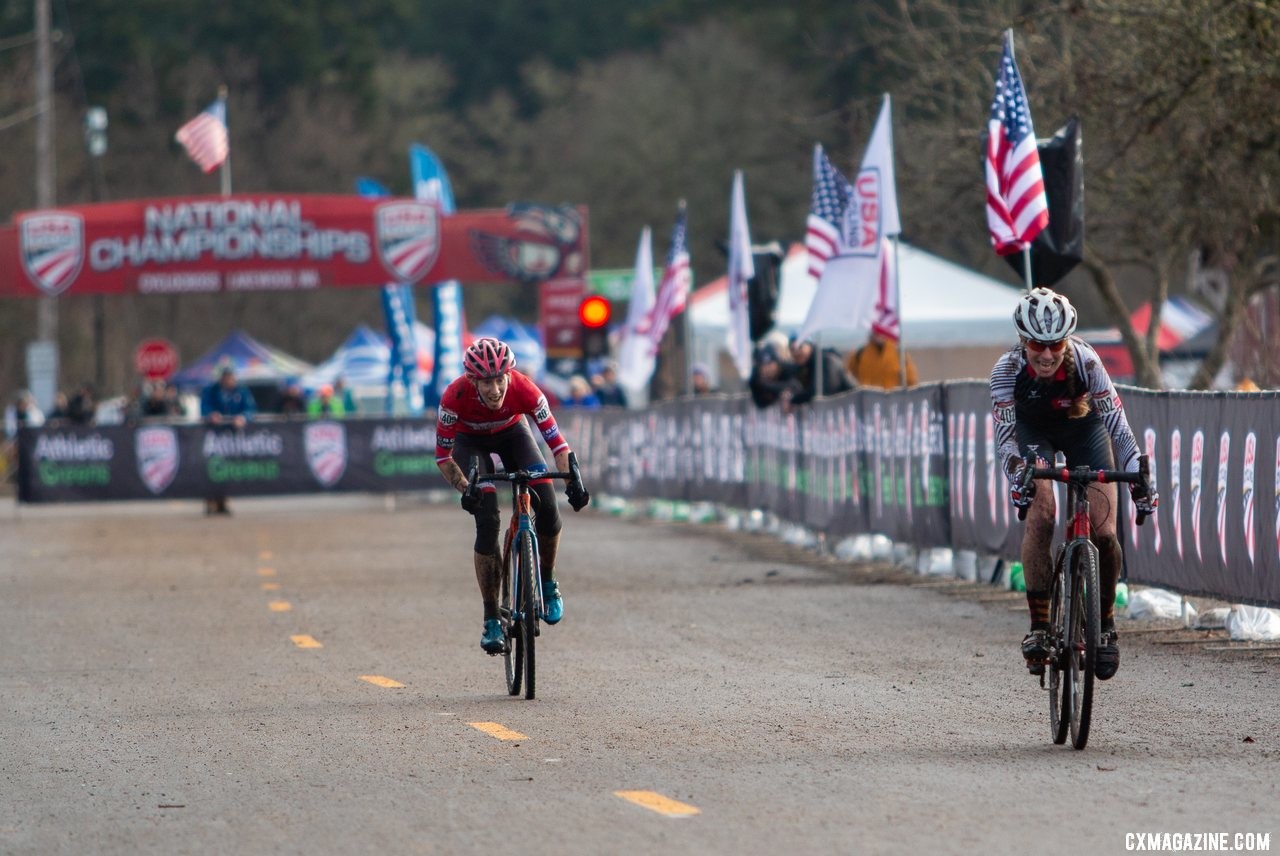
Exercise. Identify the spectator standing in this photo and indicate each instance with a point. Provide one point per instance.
(59, 411)
(225, 404)
(877, 362)
(325, 404)
(607, 389)
(293, 404)
(342, 392)
(158, 403)
(83, 406)
(700, 380)
(23, 413)
(771, 375)
(580, 394)
(804, 383)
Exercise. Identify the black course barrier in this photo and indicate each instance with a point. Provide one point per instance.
(916, 465)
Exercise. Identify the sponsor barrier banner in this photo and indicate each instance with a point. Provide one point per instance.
(982, 518)
(281, 242)
(917, 465)
(1215, 459)
(83, 463)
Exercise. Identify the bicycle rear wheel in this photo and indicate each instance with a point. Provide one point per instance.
(1086, 626)
(1059, 674)
(528, 610)
(513, 659)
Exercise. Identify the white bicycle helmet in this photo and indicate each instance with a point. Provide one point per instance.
(1043, 315)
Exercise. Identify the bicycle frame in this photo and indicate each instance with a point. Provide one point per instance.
(522, 517)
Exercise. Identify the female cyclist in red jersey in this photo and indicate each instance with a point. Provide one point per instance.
(482, 414)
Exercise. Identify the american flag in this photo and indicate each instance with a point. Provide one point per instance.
(205, 136)
(831, 195)
(673, 291)
(1017, 207)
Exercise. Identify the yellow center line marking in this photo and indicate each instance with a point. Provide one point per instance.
(380, 681)
(266, 555)
(302, 640)
(271, 586)
(266, 572)
(279, 606)
(494, 729)
(655, 801)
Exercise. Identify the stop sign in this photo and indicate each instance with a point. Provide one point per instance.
(155, 358)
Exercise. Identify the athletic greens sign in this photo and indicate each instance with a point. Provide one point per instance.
(162, 461)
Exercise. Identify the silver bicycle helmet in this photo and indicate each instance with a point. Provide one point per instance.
(1043, 315)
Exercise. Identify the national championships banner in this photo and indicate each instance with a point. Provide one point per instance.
(281, 242)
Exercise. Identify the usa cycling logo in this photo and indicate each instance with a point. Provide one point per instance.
(325, 445)
(1149, 441)
(408, 238)
(156, 450)
(861, 226)
(1197, 469)
(52, 249)
(1175, 486)
(1224, 454)
(1250, 460)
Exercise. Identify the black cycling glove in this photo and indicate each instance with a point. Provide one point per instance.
(578, 495)
(471, 499)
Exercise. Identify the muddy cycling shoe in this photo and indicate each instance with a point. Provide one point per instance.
(494, 641)
(1037, 648)
(1108, 660)
(552, 603)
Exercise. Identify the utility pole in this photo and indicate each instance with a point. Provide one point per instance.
(47, 310)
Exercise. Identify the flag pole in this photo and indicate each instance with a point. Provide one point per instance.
(897, 290)
(1026, 251)
(226, 162)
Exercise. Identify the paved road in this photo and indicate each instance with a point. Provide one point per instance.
(171, 683)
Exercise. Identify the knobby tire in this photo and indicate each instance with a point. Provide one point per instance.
(513, 659)
(528, 608)
(1059, 671)
(1086, 625)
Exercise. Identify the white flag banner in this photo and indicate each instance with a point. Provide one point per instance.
(741, 269)
(636, 354)
(847, 226)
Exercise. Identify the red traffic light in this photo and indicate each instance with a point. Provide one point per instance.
(594, 311)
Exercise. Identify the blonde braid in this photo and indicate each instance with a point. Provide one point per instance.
(1079, 402)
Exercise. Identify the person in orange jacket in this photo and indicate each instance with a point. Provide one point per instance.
(876, 363)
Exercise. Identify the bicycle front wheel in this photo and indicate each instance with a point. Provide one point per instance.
(1085, 630)
(528, 608)
(513, 659)
(1059, 672)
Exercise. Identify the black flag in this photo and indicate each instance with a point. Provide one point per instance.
(1059, 247)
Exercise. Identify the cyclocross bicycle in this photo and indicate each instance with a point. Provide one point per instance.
(520, 603)
(1075, 608)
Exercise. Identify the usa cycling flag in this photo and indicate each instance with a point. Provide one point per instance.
(847, 226)
(1017, 205)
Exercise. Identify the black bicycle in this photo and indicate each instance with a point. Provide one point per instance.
(520, 605)
(1075, 608)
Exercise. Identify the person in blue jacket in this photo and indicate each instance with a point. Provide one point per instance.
(225, 403)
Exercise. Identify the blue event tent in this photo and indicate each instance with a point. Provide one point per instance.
(363, 361)
(254, 363)
(524, 340)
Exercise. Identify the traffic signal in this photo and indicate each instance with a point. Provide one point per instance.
(594, 312)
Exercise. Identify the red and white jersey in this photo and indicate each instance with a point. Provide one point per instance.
(462, 411)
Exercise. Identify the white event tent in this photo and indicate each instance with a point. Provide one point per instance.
(955, 322)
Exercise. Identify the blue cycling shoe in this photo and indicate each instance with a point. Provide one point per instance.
(552, 603)
(494, 641)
